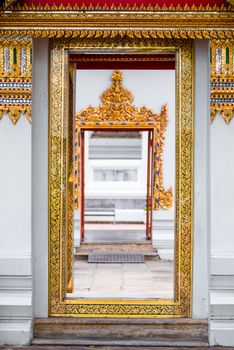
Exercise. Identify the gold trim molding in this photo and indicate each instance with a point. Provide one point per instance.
(118, 112)
(59, 305)
(151, 23)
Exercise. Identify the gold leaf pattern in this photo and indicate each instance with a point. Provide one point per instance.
(117, 111)
(181, 305)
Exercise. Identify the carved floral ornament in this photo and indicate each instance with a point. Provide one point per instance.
(117, 111)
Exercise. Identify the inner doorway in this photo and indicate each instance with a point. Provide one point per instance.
(116, 185)
(117, 188)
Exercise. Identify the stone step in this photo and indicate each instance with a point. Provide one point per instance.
(121, 332)
(139, 343)
(126, 247)
(146, 249)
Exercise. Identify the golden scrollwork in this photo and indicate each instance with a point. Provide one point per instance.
(117, 111)
(222, 76)
(180, 306)
(15, 79)
(153, 22)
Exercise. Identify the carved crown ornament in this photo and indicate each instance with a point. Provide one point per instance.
(117, 111)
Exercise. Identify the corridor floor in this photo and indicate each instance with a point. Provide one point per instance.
(150, 280)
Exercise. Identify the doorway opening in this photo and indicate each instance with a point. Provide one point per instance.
(116, 182)
(131, 97)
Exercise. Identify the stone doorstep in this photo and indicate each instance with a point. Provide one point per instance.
(120, 332)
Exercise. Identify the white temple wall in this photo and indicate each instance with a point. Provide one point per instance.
(201, 223)
(40, 124)
(15, 231)
(222, 232)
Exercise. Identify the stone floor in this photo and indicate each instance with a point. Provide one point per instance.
(36, 347)
(149, 280)
(107, 233)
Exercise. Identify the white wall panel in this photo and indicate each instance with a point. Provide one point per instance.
(15, 232)
(222, 233)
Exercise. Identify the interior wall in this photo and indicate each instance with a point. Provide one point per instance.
(152, 92)
(156, 87)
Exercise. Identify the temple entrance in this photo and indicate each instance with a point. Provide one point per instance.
(116, 181)
(129, 96)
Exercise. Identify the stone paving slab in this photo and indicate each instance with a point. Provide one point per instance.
(151, 280)
(36, 347)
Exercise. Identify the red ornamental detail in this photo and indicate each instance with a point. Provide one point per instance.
(108, 4)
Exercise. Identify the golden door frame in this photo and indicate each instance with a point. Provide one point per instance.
(59, 305)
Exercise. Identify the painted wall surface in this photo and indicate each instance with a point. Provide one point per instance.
(15, 187)
(222, 232)
(222, 188)
(15, 231)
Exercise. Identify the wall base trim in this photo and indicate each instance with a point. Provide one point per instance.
(15, 332)
(222, 332)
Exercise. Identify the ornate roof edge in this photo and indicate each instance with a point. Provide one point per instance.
(127, 7)
(113, 24)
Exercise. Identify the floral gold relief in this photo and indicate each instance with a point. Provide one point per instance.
(59, 305)
(102, 22)
(117, 111)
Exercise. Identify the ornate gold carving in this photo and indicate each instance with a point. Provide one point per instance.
(15, 79)
(139, 23)
(126, 7)
(117, 111)
(8, 3)
(222, 79)
(70, 216)
(181, 305)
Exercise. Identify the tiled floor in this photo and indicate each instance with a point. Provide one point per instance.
(150, 280)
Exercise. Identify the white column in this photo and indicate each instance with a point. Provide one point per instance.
(40, 176)
(15, 232)
(201, 238)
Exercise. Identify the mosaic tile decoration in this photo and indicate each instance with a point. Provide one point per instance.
(15, 79)
(222, 79)
(16, 82)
